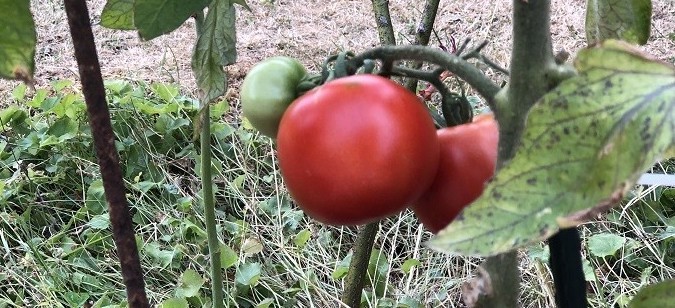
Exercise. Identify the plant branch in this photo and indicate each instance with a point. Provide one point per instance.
(385, 30)
(207, 193)
(473, 53)
(358, 267)
(104, 143)
(532, 54)
(462, 46)
(209, 209)
(455, 111)
(422, 36)
(458, 66)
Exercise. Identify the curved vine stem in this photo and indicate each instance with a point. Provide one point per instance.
(458, 66)
(455, 112)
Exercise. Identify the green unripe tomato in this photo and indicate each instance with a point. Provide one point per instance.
(268, 89)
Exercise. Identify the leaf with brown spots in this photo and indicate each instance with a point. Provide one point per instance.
(585, 143)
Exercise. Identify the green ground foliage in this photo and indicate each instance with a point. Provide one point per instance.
(56, 248)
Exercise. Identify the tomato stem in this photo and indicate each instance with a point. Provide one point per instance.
(445, 61)
(455, 111)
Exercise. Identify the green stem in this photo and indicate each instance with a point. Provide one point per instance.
(422, 35)
(458, 66)
(209, 209)
(531, 61)
(358, 267)
(207, 194)
(532, 55)
(454, 112)
(385, 30)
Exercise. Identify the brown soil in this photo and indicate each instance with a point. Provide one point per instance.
(308, 30)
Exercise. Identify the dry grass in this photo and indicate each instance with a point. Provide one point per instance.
(307, 30)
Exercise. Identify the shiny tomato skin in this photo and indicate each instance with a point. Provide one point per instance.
(356, 150)
(468, 160)
(268, 88)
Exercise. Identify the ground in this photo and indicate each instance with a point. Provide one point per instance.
(310, 31)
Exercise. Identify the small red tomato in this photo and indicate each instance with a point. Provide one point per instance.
(356, 150)
(468, 160)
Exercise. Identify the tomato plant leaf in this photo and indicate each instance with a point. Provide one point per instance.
(215, 48)
(118, 14)
(153, 18)
(629, 20)
(605, 244)
(228, 257)
(17, 46)
(248, 274)
(174, 302)
(189, 284)
(661, 295)
(585, 144)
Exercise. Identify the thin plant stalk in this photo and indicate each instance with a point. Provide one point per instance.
(532, 54)
(209, 209)
(207, 195)
(106, 153)
(422, 36)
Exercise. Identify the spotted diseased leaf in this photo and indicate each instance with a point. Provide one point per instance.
(585, 144)
(118, 14)
(153, 18)
(629, 20)
(215, 48)
(17, 40)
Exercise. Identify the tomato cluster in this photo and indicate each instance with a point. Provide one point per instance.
(360, 148)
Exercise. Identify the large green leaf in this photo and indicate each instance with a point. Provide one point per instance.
(17, 40)
(118, 14)
(153, 18)
(215, 47)
(629, 20)
(660, 295)
(189, 284)
(585, 144)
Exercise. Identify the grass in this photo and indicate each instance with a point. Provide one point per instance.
(57, 249)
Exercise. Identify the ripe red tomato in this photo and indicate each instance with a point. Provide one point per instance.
(468, 159)
(356, 150)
